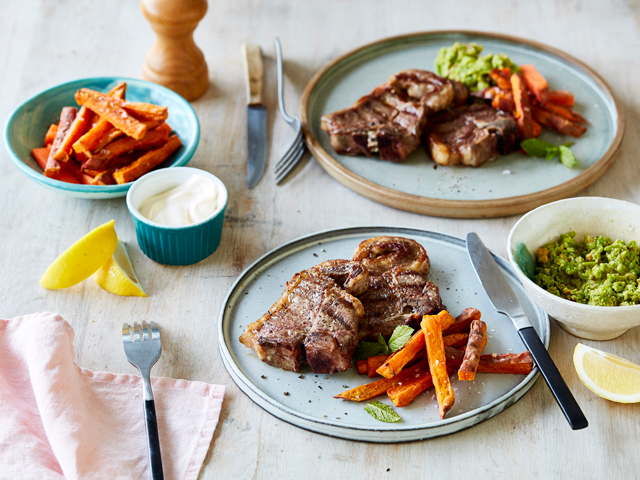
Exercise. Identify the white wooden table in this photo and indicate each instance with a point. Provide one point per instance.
(43, 43)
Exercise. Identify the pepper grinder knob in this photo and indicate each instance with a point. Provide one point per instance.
(174, 60)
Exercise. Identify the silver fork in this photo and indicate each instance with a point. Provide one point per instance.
(295, 151)
(143, 347)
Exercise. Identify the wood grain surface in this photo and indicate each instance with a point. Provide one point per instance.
(44, 43)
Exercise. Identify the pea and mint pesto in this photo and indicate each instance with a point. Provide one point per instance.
(462, 62)
(596, 271)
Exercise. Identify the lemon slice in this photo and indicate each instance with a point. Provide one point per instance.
(606, 375)
(82, 258)
(117, 275)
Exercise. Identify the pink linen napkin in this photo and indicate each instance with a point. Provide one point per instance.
(58, 420)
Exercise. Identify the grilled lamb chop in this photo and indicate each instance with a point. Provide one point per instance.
(314, 321)
(391, 119)
(383, 122)
(380, 254)
(319, 321)
(398, 292)
(429, 90)
(397, 297)
(471, 135)
(351, 275)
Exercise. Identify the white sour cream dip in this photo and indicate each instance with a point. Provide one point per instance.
(190, 202)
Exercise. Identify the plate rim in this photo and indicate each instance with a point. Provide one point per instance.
(289, 415)
(463, 208)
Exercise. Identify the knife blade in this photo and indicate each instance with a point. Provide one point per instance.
(256, 114)
(505, 302)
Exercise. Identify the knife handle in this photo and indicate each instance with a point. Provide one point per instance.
(554, 380)
(253, 73)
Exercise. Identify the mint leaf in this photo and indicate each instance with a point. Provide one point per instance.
(536, 147)
(552, 153)
(539, 148)
(400, 337)
(365, 350)
(567, 157)
(382, 412)
(385, 348)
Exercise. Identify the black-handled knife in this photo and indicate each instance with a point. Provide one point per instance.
(505, 302)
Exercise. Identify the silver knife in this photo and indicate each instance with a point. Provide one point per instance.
(505, 302)
(256, 114)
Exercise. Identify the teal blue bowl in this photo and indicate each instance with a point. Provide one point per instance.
(170, 244)
(28, 125)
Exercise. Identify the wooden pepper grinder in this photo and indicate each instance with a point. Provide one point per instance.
(174, 60)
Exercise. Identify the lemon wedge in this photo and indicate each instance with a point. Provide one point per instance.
(117, 275)
(606, 375)
(82, 258)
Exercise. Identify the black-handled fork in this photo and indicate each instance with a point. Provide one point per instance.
(143, 347)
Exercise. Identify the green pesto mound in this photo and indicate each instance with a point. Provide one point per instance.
(596, 271)
(462, 62)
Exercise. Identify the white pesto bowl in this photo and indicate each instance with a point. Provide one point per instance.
(593, 216)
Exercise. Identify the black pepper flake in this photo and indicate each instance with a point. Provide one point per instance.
(301, 376)
(388, 469)
(286, 394)
(345, 386)
(319, 387)
(315, 254)
(309, 401)
(246, 293)
(435, 167)
(262, 376)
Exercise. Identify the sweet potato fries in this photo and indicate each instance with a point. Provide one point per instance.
(108, 140)
(422, 364)
(527, 96)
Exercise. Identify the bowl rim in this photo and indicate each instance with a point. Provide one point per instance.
(95, 189)
(548, 295)
(150, 178)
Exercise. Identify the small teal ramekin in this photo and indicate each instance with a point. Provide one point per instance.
(170, 244)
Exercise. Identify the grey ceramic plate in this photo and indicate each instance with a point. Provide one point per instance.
(512, 184)
(310, 404)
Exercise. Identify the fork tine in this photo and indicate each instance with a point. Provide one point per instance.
(290, 150)
(145, 331)
(290, 166)
(295, 146)
(155, 331)
(126, 333)
(291, 162)
(137, 332)
(284, 174)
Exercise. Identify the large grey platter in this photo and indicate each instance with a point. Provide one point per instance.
(515, 183)
(306, 399)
